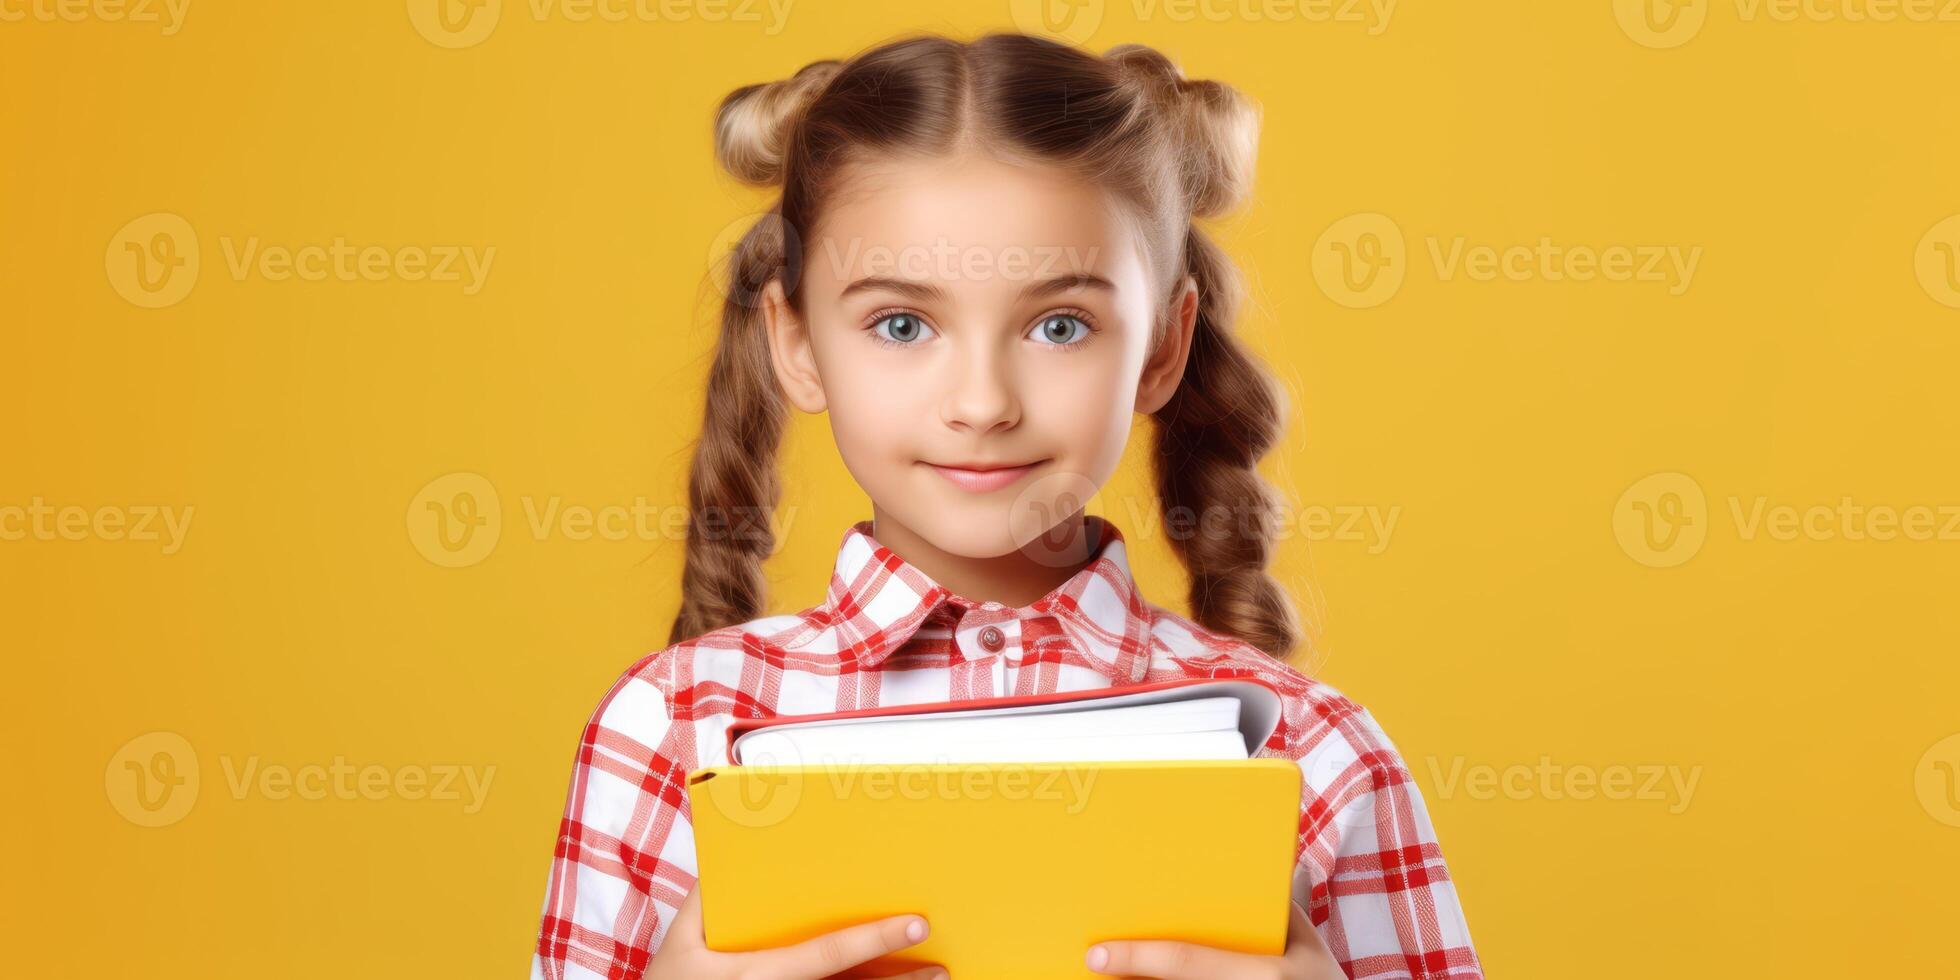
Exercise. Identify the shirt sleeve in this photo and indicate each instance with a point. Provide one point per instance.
(1371, 875)
(624, 858)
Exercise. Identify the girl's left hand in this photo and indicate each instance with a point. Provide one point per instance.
(1306, 958)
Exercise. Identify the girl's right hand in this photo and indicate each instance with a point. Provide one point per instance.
(685, 954)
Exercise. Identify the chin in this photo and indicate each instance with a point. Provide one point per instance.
(969, 530)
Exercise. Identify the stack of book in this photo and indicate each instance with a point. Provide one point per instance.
(1025, 829)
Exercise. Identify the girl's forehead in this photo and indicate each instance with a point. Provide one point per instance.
(977, 206)
(971, 194)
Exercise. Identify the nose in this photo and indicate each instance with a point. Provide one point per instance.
(981, 393)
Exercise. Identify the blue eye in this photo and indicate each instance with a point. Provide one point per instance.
(901, 328)
(1059, 329)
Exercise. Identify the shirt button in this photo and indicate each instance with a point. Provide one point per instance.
(991, 639)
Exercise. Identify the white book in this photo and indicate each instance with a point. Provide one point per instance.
(1207, 720)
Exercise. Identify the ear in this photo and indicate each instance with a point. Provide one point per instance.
(789, 351)
(1164, 368)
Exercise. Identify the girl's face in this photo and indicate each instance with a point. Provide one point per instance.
(981, 334)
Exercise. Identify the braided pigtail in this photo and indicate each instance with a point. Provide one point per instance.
(733, 484)
(1227, 412)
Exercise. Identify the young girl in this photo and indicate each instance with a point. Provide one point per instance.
(983, 266)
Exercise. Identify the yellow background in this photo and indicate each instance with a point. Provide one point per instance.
(1809, 682)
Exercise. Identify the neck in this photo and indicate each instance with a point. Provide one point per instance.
(1014, 579)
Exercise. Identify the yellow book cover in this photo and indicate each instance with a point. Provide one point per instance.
(1019, 868)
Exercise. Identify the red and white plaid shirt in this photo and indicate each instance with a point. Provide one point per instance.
(1367, 866)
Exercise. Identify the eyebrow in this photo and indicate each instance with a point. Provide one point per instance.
(926, 291)
(1063, 284)
(903, 287)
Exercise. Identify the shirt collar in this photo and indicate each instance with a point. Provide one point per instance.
(877, 600)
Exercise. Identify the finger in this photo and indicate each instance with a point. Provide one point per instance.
(922, 973)
(838, 951)
(1167, 960)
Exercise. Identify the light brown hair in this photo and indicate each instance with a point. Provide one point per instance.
(1176, 148)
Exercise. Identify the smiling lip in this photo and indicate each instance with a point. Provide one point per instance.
(983, 477)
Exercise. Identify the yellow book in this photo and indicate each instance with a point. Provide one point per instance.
(1019, 866)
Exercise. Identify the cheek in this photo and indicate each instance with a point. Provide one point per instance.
(1084, 402)
(873, 406)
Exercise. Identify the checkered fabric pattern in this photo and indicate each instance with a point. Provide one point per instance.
(1368, 868)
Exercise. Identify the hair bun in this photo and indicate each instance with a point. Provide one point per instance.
(1216, 129)
(752, 126)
